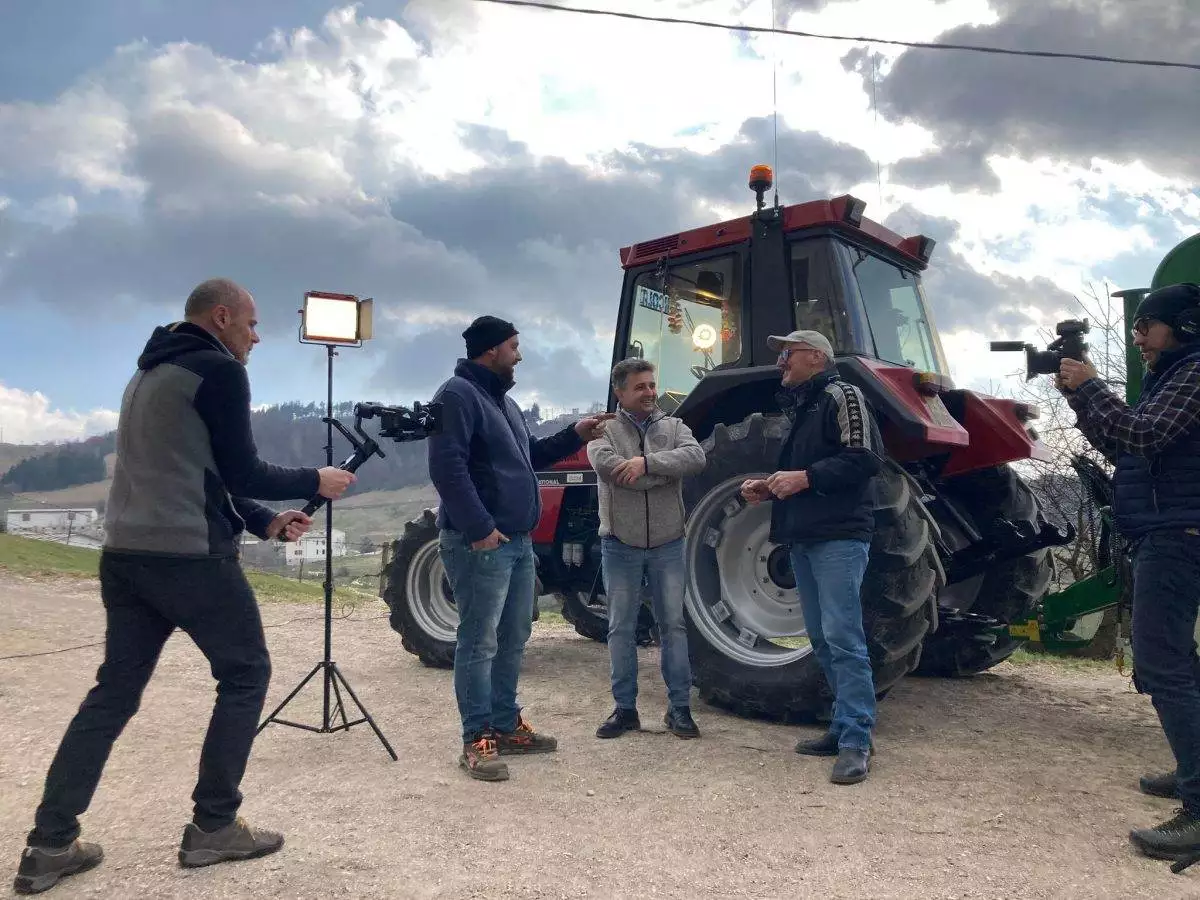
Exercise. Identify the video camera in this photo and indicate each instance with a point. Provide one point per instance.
(1068, 345)
(399, 423)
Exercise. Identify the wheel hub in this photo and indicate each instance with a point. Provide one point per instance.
(741, 589)
(428, 594)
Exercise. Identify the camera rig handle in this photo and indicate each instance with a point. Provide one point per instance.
(364, 449)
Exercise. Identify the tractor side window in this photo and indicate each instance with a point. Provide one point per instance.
(813, 290)
(895, 309)
(687, 320)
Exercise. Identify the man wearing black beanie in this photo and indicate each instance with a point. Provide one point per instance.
(483, 465)
(1155, 446)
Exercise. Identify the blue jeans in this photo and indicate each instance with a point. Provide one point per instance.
(493, 590)
(829, 577)
(1166, 597)
(623, 569)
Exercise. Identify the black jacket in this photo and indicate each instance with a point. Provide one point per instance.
(483, 463)
(186, 460)
(833, 436)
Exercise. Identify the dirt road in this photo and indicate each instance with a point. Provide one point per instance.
(1020, 783)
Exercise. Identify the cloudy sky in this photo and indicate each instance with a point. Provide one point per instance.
(451, 158)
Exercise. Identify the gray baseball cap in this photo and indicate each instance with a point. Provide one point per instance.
(813, 339)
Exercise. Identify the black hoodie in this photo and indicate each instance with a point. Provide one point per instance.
(186, 460)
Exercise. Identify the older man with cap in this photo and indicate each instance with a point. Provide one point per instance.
(483, 465)
(823, 510)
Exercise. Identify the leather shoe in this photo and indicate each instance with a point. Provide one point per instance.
(618, 723)
(851, 767)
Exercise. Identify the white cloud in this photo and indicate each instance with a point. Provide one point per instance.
(28, 418)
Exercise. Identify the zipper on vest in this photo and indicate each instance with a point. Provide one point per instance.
(645, 494)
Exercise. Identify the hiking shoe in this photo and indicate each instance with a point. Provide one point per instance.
(1175, 838)
(679, 722)
(851, 767)
(619, 722)
(41, 867)
(482, 761)
(523, 739)
(235, 841)
(1160, 785)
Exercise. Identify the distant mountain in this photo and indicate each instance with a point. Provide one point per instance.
(60, 466)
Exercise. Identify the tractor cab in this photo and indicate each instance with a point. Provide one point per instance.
(701, 304)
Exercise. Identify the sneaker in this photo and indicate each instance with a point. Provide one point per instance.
(1160, 785)
(851, 767)
(235, 841)
(619, 722)
(524, 739)
(679, 722)
(482, 761)
(1176, 838)
(41, 867)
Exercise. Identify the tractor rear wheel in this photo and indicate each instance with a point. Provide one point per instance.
(747, 641)
(1009, 592)
(419, 596)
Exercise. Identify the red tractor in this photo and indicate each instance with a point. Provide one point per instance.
(961, 549)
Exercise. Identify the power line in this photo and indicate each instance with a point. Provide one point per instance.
(924, 45)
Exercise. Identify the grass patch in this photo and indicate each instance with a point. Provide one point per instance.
(1026, 657)
(29, 556)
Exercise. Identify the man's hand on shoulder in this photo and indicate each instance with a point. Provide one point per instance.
(292, 524)
(592, 428)
(491, 542)
(784, 484)
(629, 471)
(334, 481)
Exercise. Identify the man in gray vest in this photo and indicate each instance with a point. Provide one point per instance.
(186, 462)
(641, 461)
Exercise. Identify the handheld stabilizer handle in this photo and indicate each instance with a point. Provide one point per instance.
(396, 422)
(363, 450)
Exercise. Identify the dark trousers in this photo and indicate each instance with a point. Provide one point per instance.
(145, 599)
(1166, 598)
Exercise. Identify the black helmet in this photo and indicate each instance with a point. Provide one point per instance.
(1178, 305)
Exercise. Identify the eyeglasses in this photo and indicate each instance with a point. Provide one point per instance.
(786, 353)
(1142, 326)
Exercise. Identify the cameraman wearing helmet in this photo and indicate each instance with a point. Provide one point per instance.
(1155, 446)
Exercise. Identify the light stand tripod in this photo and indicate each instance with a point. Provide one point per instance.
(332, 678)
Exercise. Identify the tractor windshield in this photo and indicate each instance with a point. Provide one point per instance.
(686, 320)
(896, 312)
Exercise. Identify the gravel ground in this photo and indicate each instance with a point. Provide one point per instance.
(1018, 783)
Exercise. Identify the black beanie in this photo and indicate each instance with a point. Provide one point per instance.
(485, 333)
(1168, 302)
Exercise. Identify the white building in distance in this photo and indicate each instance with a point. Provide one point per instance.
(311, 547)
(50, 520)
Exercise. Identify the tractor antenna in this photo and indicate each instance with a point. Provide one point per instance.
(775, 99)
(875, 108)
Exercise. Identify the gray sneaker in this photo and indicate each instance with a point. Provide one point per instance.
(41, 868)
(236, 840)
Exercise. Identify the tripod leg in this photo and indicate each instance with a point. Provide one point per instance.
(339, 708)
(366, 715)
(288, 698)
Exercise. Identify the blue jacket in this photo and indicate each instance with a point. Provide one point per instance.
(1155, 444)
(833, 437)
(484, 462)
